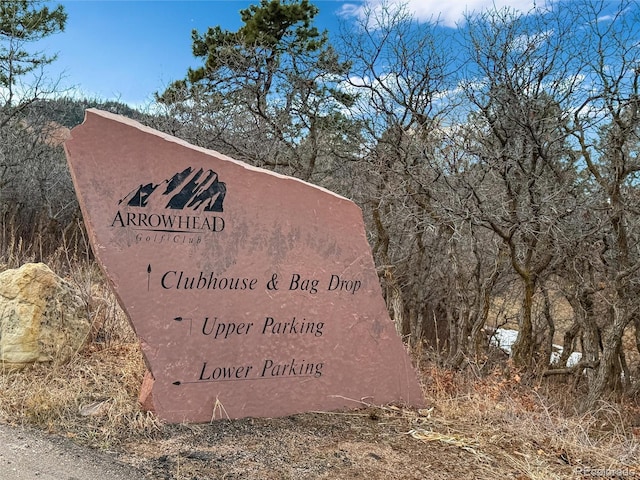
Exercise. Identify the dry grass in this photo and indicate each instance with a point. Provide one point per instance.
(491, 425)
(57, 398)
(541, 435)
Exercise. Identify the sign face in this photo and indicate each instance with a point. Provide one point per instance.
(252, 293)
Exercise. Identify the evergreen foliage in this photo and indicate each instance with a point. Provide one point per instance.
(21, 22)
(274, 81)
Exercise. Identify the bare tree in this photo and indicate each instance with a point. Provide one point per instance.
(606, 125)
(522, 190)
(400, 70)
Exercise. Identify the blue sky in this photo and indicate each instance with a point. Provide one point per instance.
(127, 50)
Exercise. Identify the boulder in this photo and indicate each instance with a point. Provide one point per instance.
(253, 294)
(42, 317)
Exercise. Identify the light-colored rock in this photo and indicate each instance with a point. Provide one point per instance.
(42, 317)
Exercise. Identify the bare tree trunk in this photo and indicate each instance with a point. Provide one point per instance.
(585, 322)
(396, 305)
(523, 347)
(636, 321)
(607, 376)
(547, 348)
(568, 344)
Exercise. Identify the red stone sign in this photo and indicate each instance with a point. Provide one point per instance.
(252, 293)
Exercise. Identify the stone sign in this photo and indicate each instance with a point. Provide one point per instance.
(252, 293)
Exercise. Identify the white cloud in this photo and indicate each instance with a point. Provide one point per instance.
(449, 12)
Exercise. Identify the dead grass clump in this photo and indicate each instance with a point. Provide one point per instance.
(534, 431)
(92, 398)
(109, 323)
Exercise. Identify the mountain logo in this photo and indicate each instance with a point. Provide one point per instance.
(193, 195)
(186, 190)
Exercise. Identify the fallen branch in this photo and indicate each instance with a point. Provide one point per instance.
(578, 367)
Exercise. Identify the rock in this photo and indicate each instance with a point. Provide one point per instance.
(42, 317)
(253, 294)
(94, 409)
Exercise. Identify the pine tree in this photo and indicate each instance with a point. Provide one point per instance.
(21, 23)
(267, 93)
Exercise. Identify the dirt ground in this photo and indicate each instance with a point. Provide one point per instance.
(367, 444)
(360, 445)
(373, 443)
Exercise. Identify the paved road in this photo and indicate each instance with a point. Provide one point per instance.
(32, 455)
